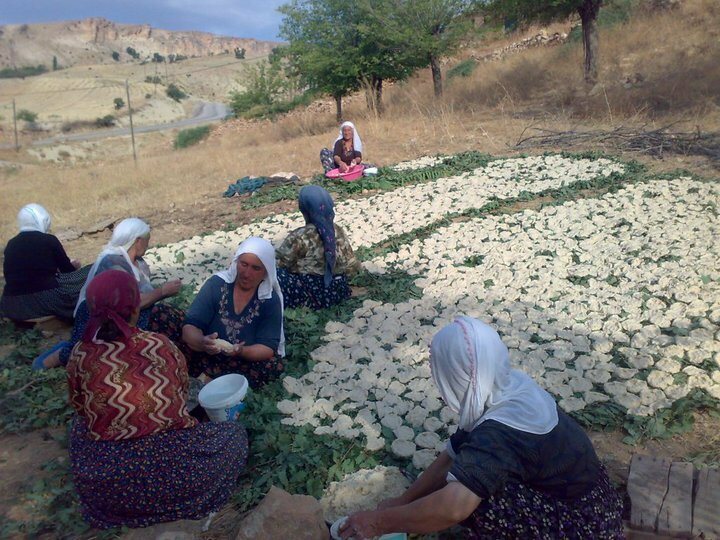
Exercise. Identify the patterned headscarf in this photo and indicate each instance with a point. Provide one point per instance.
(317, 207)
(111, 296)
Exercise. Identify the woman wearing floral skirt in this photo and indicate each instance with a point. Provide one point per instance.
(315, 260)
(136, 455)
(517, 467)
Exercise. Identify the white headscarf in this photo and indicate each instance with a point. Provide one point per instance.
(33, 217)
(471, 368)
(123, 237)
(264, 251)
(357, 141)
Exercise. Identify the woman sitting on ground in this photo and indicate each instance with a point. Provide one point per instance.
(125, 252)
(316, 259)
(40, 279)
(346, 152)
(518, 467)
(242, 305)
(136, 455)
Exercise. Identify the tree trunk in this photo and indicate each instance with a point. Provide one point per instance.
(436, 75)
(338, 109)
(377, 84)
(588, 15)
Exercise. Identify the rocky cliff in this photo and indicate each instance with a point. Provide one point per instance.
(92, 41)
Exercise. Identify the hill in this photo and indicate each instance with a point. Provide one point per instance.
(93, 40)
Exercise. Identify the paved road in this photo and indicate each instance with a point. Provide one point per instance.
(204, 114)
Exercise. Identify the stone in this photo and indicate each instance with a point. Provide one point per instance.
(281, 515)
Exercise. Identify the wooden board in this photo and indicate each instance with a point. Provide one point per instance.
(676, 513)
(706, 513)
(647, 486)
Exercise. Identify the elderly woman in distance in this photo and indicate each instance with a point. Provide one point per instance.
(136, 455)
(244, 307)
(346, 152)
(125, 251)
(315, 260)
(518, 467)
(40, 279)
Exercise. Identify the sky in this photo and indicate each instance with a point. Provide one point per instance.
(239, 18)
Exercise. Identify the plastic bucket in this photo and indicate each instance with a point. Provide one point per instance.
(222, 398)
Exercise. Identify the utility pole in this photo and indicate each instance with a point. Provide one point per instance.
(156, 78)
(132, 129)
(17, 146)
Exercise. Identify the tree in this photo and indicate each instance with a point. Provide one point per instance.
(133, 53)
(526, 11)
(173, 92)
(158, 58)
(322, 53)
(119, 103)
(240, 53)
(55, 63)
(116, 56)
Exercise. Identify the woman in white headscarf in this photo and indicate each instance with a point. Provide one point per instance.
(124, 251)
(235, 324)
(40, 279)
(517, 467)
(347, 150)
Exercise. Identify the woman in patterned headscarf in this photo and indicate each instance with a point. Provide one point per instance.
(137, 456)
(314, 260)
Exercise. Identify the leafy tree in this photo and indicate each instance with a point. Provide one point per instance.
(132, 52)
(27, 116)
(119, 103)
(174, 92)
(105, 121)
(264, 87)
(55, 64)
(116, 56)
(322, 53)
(526, 11)
(158, 58)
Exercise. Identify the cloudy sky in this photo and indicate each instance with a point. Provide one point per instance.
(240, 18)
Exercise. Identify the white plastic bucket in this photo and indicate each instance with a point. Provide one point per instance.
(222, 398)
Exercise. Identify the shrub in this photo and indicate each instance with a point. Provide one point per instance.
(463, 69)
(132, 52)
(22, 72)
(173, 92)
(153, 80)
(119, 103)
(105, 121)
(116, 56)
(189, 137)
(28, 116)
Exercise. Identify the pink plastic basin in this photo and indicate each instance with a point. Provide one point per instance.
(353, 173)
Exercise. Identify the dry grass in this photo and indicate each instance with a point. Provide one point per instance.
(675, 53)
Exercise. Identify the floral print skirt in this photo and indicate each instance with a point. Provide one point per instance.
(179, 474)
(522, 512)
(309, 290)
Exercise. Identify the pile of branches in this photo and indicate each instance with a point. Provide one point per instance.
(653, 142)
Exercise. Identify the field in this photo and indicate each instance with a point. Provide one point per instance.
(599, 267)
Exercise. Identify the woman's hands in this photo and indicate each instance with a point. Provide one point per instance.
(361, 525)
(343, 167)
(170, 288)
(208, 344)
